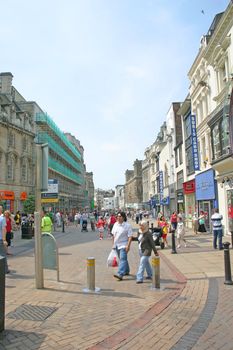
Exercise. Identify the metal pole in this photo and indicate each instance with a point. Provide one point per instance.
(63, 224)
(227, 263)
(173, 243)
(39, 273)
(2, 293)
(155, 272)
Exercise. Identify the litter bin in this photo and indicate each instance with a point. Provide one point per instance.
(26, 229)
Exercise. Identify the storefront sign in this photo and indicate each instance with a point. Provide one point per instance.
(189, 187)
(194, 143)
(7, 195)
(180, 197)
(23, 196)
(165, 201)
(205, 185)
(161, 183)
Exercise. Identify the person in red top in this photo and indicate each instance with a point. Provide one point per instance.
(164, 226)
(112, 221)
(8, 219)
(100, 225)
(174, 220)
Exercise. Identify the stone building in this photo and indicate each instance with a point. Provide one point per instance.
(133, 186)
(17, 152)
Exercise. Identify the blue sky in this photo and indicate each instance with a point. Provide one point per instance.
(105, 70)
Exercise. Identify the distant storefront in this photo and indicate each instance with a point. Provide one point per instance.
(190, 200)
(206, 193)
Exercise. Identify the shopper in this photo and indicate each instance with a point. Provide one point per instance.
(122, 237)
(146, 245)
(180, 232)
(216, 220)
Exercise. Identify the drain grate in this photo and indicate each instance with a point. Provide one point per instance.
(32, 312)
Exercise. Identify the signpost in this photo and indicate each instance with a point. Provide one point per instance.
(51, 195)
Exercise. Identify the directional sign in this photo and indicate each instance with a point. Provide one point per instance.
(49, 195)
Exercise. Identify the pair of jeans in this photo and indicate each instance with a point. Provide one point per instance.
(3, 254)
(123, 268)
(144, 264)
(217, 236)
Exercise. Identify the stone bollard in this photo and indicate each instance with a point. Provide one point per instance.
(227, 263)
(155, 262)
(173, 242)
(91, 276)
(2, 293)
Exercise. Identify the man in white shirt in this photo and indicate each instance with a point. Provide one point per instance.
(3, 242)
(122, 236)
(216, 220)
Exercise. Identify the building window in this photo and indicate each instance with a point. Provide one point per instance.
(220, 138)
(180, 180)
(10, 168)
(11, 140)
(180, 155)
(24, 144)
(176, 158)
(189, 160)
(225, 139)
(24, 171)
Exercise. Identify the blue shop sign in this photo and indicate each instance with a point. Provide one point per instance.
(205, 185)
(161, 183)
(194, 142)
(165, 201)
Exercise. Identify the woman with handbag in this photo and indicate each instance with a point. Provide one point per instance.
(9, 234)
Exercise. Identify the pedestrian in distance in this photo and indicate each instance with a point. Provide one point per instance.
(100, 226)
(145, 245)
(9, 233)
(195, 223)
(46, 223)
(180, 232)
(17, 219)
(201, 222)
(122, 237)
(216, 220)
(163, 224)
(173, 220)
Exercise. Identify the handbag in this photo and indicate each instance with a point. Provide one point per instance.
(113, 259)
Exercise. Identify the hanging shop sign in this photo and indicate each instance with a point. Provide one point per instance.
(165, 201)
(189, 187)
(23, 196)
(194, 143)
(205, 185)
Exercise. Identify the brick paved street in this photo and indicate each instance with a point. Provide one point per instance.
(192, 310)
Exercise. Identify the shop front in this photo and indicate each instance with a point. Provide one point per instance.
(190, 201)
(206, 194)
(7, 200)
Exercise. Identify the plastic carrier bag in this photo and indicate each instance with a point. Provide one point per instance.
(112, 260)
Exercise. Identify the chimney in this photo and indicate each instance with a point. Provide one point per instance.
(6, 83)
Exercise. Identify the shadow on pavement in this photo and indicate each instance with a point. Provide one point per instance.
(21, 340)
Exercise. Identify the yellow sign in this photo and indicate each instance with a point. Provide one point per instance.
(155, 261)
(49, 200)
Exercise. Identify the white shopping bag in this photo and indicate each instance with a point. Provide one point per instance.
(112, 260)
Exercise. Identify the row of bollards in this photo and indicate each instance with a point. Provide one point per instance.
(227, 263)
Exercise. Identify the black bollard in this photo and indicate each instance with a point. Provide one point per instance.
(227, 263)
(63, 226)
(2, 294)
(173, 243)
(231, 239)
(151, 227)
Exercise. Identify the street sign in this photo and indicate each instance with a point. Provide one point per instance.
(52, 186)
(49, 195)
(49, 200)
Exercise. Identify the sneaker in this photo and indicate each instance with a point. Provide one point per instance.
(118, 277)
(138, 282)
(148, 278)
